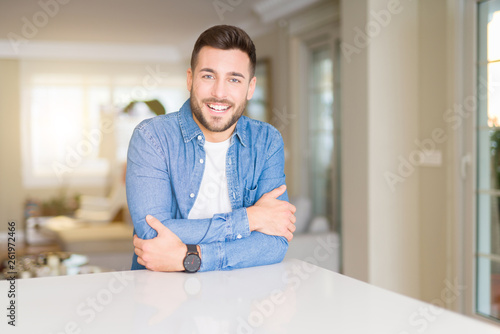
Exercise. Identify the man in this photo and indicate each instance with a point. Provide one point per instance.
(206, 185)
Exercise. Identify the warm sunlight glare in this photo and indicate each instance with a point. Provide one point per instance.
(494, 70)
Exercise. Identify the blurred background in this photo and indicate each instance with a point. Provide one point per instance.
(389, 110)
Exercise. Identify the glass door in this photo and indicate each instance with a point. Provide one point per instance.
(488, 163)
(323, 134)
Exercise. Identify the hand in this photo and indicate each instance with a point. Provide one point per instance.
(273, 216)
(165, 252)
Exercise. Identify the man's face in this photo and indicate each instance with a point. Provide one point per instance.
(220, 86)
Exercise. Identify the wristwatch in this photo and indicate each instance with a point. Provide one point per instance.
(192, 261)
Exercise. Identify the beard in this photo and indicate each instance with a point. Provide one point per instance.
(215, 123)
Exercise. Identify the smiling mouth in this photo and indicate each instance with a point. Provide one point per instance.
(218, 108)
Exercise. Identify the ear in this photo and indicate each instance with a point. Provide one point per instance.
(251, 88)
(189, 80)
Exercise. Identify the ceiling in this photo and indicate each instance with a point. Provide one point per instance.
(173, 24)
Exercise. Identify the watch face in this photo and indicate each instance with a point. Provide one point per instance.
(192, 263)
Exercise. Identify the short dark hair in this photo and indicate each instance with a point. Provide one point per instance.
(225, 37)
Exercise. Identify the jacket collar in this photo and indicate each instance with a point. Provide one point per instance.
(190, 128)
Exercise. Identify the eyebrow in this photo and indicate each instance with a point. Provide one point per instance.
(234, 74)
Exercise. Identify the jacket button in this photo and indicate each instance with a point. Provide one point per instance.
(191, 195)
(199, 137)
(201, 161)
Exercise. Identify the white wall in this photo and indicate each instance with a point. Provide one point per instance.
(393, 127)
(395, 94)
(355, 158)
(11, 191)
(380, 123)
(432, 89)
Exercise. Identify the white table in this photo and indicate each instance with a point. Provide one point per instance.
(290, 297)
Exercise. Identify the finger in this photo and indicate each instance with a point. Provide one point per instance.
(138, 252)
(293, 219)
(137, 241)
(292, 228)
(275, 193)
(289, 236)
(141, 262)
(155, 223)
(293, 209)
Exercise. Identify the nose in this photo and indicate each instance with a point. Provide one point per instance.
(219, 89)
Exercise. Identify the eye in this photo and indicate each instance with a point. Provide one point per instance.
(234, 80)
(208, 76)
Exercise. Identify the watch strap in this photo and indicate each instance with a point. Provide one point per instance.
(192, 249)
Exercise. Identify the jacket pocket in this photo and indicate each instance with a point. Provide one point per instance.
(249, 196)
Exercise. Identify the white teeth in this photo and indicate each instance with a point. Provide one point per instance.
(218, 108)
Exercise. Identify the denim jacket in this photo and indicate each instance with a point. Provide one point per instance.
(165, 167)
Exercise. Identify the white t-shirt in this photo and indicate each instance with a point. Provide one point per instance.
(213, 196)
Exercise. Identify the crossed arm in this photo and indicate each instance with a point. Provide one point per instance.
(255, 235)
(166, 251)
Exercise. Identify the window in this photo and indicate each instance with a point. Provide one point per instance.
(488, 177)
(322, 143)
(321, 127)
(71, 115)
(63, 132)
